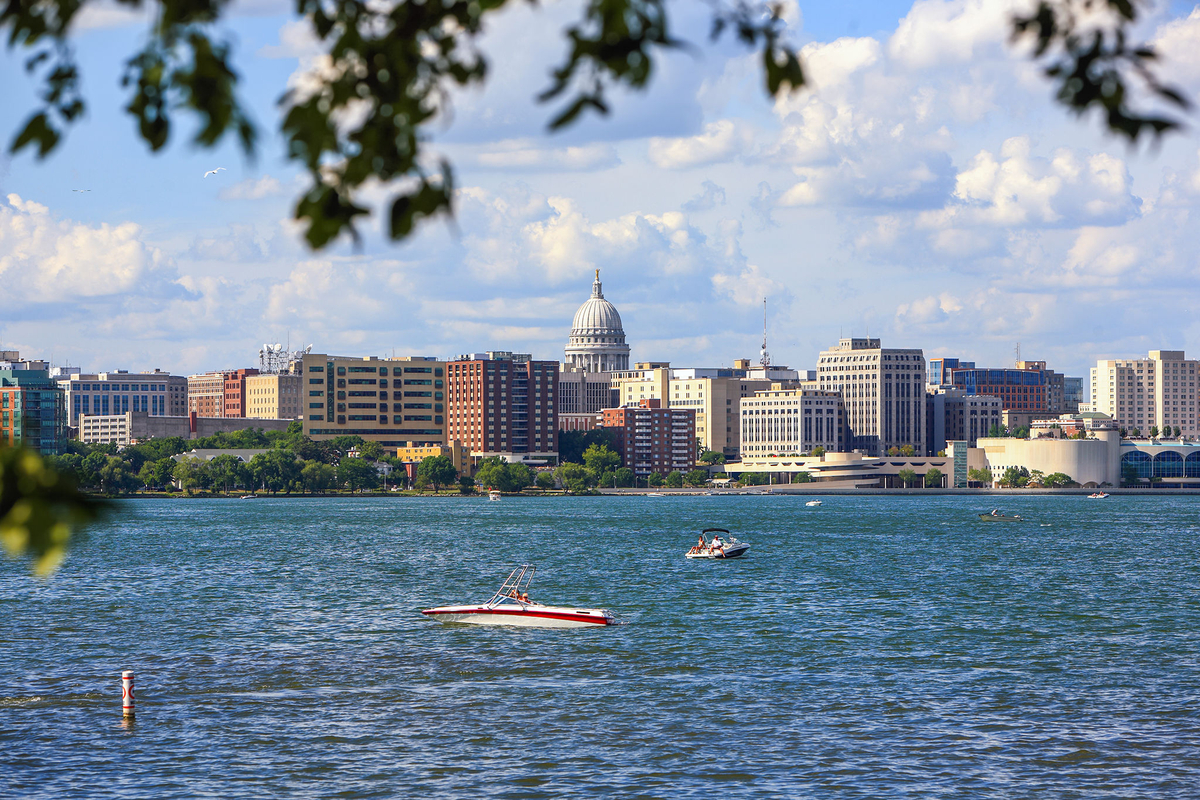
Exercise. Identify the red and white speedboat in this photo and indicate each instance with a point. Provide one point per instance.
(511, 606)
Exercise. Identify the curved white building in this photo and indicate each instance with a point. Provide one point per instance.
(597, 342)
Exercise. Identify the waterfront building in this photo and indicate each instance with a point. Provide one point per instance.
(139, 426)
(883, 393)
(398, 402)
(32, 408)
(118, 392)
(504, 406)
(413, 455)
(1024, 388)
(782, 421)
(273, 396)
(597, 340)
(849, 470)
(956, 415)
(1156, 391)
(1072, 395)
(653, 439)
(714, 394)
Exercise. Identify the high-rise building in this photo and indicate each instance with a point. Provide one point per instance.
(653, 439)
(235, 392)
(157, 393)
(1072, 395)
(32, 409)
(597, 341)
(398, 402)
(503, 406)
(1157, 391)
(714, 394)
(883, 392)
(954, 415)
(274, 396)
(581, 392)
(784, 422)
(1024, 388)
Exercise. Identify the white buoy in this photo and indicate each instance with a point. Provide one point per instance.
(127, 693)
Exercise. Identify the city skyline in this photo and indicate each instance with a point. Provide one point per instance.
(926, 191)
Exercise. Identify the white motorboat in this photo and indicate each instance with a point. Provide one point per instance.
(511, 606)
(493, 495)
(718, 546)
(1097, 495)
(813, 503)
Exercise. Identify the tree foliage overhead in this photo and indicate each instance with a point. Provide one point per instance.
(390, 68)
(39, 508)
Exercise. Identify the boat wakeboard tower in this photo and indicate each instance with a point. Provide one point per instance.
(511, 605)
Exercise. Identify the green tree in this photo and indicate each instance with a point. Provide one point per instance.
(191, 474)
(357, 474)
(983, 475)
(654, 480)
(466, 484)
(908, 451)
(673, 479)
(818, 452)
(1015, 477)
(933, 478)
(1177, 431)
(600, 459)
(1135, 433)
(116, 477)
(907, 477)
(370, 450)
(1153, 431)
(317, 477)
(711, 457)
(697, 477)
(1123, 433)
(437, 471)
(225, 471)
(157, 474)
(275, 470)
(997, 431)
(893, 451)
(802, 477)
(1057, 480)
(572, 444)
(624, 477)
(545, 480)
(575, 478)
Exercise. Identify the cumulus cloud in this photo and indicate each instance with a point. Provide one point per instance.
(44, 259)
(721, 141)
(711, 197)
(941, 32)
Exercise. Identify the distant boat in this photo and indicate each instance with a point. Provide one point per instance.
(1097, 495)
(249, 497)
(511, 606)
(716, 547)
(997, 517)
(813, 503)
(493, 495)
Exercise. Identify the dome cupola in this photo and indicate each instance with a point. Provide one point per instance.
(597, 341)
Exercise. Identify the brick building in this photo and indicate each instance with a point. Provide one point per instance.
(502, 404)
(651, 438)
(219, 394)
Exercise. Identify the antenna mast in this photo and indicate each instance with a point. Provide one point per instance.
(1018, 355)
(765, 359)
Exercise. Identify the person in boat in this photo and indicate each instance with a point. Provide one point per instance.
(995, 512)
(524, 597)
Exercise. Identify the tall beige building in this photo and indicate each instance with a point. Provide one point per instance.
(883, 392)
(398, 402)
(1156, 391)
(790, 422)
(273, 396)
(714, 394)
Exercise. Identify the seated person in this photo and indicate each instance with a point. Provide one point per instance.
(524, 597)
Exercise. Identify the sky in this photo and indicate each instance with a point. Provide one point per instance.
(924, 189)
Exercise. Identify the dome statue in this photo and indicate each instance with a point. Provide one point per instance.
(597, 342)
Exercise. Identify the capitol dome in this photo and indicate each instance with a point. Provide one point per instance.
(597, 342)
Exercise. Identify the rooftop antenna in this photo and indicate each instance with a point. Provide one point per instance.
(765, 360)
(1018, 355)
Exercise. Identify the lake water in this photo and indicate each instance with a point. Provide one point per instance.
(874, 647)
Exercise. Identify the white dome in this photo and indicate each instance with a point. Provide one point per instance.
(597, 341)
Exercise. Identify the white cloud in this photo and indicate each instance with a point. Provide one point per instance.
(525, 155)
(1178, 45)
(47, 260)
(253, 189)
(945, 32)
(720, 141)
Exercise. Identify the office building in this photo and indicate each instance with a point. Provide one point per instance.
(398, 402)
(32, 409)
(714, 394)
(597, 341)
(883, 394)
(583, 394)
(956, 415)
(1156, 391)
(653, 439)
(273, 396)
(138, 426)
(157, 393)
(790, 422)
(504, 406)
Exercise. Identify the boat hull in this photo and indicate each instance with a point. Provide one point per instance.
(528, 617)
(991, 518)
(730, 552)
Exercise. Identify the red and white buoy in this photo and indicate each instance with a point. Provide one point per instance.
(127, 693)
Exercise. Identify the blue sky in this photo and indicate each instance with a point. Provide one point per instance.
(924, 190)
